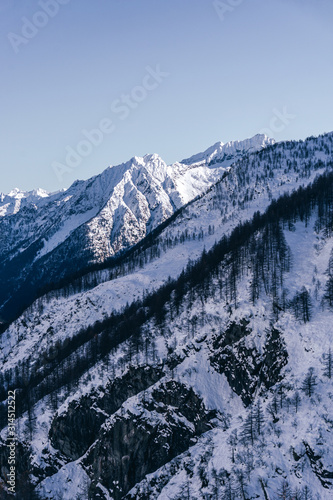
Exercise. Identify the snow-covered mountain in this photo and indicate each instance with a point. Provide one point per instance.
(198, 363)
(230, 151)
(12, 202)
(55, 235)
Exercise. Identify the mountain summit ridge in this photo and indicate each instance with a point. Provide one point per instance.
(219, 150)
(11, 202)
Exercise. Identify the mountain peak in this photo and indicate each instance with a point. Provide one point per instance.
(220, 151)
(11, 203)
(147, 158)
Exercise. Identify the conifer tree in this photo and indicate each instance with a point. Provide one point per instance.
(328, 364)
(296, 401)
(309, 382)
(249, 427)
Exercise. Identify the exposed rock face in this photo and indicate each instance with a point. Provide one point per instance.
(245, 368)
(324, 476)
(141, 438)
(188, 403)
(232, 334)
(135, 439)
(75, 430)
(275, 357)
(133, 382)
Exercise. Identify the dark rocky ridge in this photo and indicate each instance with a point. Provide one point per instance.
(130, 444)
(245, 368)
(136, 442)
(74, 431)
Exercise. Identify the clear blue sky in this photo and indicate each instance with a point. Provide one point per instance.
(229, 77)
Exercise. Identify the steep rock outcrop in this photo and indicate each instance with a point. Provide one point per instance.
(142, 437)
(244, 366)
(325, 476)
(76, 429)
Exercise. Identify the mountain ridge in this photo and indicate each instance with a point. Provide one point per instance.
(256, 142)
(220, 150)
(108, 213)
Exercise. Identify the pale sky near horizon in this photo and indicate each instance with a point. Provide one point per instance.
(172, 76)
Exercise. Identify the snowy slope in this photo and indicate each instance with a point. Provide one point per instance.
(293, 448)
(241, 193)
(184, 393)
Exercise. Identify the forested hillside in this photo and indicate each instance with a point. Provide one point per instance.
(198, 364)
